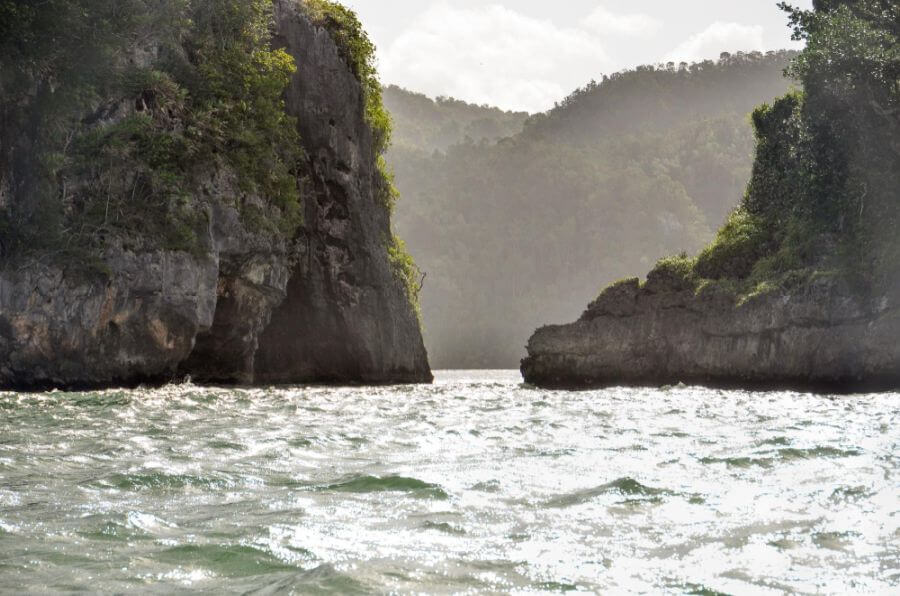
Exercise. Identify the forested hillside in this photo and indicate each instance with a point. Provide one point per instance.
(421, 123)
(525, 230)
(664, 96)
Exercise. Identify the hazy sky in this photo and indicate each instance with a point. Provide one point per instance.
(527, 54)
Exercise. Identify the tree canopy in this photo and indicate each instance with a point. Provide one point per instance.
(109, 109)
(824, 195)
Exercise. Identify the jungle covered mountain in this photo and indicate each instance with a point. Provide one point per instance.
(522, 229)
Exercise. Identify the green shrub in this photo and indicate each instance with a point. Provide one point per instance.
(776, 180)
(619, 285)
(674, 273)
(236, 82)
(387, 192)
(738, 245)
(406, 272)
(719, 287)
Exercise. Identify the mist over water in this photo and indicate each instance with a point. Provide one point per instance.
(475, 483)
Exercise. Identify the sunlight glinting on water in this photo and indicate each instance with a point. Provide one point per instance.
(476, 483)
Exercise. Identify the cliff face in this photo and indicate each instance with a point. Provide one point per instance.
(346, 317)
(249, 307)
(822, 336)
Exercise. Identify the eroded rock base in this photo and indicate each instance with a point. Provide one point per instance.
(822, 337)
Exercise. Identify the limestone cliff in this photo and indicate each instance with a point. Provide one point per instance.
(821, 336)
(346, 317)
(249, 306)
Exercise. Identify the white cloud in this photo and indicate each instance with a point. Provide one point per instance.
(717, 38)
(605, 22)
(492, 54)
(497, 53)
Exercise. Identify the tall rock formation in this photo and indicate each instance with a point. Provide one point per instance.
(250, 307)
(346, 318)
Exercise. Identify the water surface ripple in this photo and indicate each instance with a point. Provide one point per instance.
(475, 484)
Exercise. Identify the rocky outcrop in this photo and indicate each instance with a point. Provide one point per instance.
(346, 318)
(823, 336)
(137, 327)
(249, 308)
(253, 272)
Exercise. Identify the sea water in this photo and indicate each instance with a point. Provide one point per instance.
(476, 484)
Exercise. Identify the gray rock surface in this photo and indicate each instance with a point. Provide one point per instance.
(135, 328)
(253, 309)
(822, 337)
(346, 318)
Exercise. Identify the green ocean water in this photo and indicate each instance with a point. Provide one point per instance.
(477, 484)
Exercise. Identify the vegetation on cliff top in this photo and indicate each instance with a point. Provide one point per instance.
(118, 111)
(120, 118)
(822, 197)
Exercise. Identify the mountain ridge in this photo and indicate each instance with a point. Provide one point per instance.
(521, 229)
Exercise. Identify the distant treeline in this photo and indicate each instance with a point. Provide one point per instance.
(664, 96)
(425, 124)
(516, 228)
